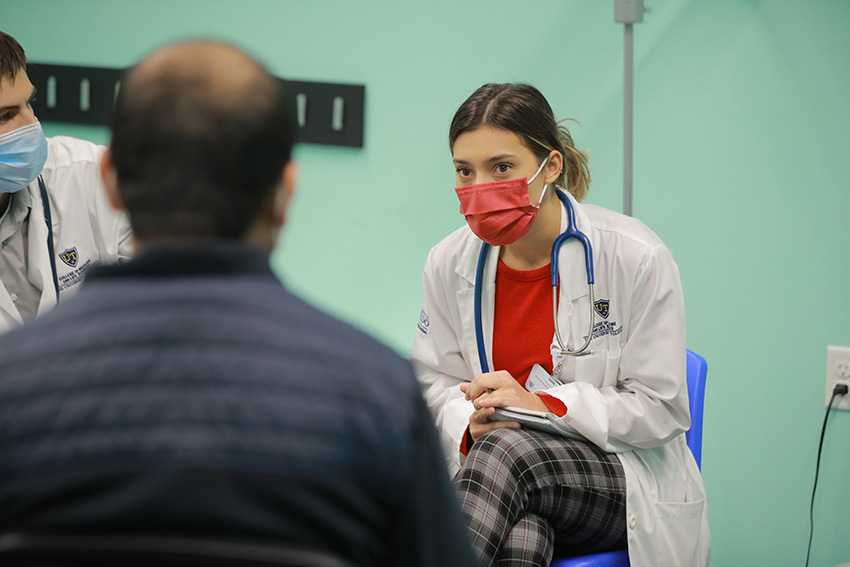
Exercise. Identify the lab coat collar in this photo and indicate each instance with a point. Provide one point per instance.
(468, 261)
(18, 205)
(465, 269)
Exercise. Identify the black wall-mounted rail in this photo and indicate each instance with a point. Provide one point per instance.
(326, 113)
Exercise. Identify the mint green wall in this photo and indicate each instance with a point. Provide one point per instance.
(742, 133)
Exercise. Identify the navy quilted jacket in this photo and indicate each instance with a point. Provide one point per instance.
(188, 393)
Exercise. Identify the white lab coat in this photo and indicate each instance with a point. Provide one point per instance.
(87, 231)
(629, 397)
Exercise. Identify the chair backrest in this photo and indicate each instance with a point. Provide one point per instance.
(697, 373)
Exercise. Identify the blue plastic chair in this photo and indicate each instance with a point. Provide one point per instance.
(697, 372)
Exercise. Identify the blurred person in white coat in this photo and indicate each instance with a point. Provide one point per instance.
(55, 221)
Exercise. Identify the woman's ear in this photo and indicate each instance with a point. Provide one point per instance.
(554, 167)
(110, 180)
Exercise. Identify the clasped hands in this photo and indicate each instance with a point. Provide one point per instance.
(492, 390)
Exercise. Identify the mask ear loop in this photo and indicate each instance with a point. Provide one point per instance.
(545, 185)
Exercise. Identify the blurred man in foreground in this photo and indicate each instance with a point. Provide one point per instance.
(186, 393)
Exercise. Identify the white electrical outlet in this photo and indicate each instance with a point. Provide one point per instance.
(837, 372)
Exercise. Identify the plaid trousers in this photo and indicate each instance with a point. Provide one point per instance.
(524, 491)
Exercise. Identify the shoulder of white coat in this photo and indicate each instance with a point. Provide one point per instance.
(64, 151)
(610, 224)
(72, 169)
(446, 254)
(633, 244)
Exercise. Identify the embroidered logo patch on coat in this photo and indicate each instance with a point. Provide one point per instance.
(424, 323)
(601, 307)
(69, 256)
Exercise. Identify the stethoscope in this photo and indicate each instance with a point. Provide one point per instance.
(570, 232)
(45, 201)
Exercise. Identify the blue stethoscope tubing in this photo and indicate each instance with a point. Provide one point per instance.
(45, 201)
(570, 232)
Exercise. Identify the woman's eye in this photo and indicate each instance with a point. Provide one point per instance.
(463, 171)
(503, 168)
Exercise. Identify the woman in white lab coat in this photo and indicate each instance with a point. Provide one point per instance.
(631, 481)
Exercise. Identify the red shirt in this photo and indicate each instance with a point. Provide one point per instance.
(523, 327)
(522, 324)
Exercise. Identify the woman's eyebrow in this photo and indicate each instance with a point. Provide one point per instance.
(501, 157)
(493, 159)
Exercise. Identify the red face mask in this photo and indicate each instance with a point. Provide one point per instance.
(500, 213)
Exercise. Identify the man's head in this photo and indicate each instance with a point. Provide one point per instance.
(23, 147)
(201, 146)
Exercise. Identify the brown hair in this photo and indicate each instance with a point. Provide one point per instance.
(12, 57)
(523, 110)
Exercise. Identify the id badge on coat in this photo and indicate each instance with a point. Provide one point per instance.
(539, 379)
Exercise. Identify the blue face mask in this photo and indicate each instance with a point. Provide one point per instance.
(23, 152)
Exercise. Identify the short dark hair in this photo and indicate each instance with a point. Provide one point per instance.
(523, 110)
(193, 162)
(12, 57)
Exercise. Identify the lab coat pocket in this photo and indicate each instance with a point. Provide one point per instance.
(612, 368)
(679, 530)
(599, 368)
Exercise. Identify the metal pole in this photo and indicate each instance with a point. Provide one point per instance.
(628, 100)
(628, 12)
